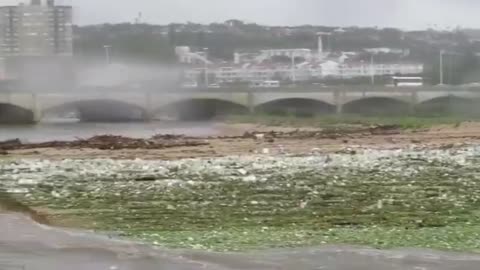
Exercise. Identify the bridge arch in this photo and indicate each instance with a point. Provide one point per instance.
(100, 110)
(296, 106)
(449, 105)
(14, 114)
(199, 109)
(264, 97)
(377, 106)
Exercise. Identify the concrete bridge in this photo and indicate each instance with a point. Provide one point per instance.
(125, 104)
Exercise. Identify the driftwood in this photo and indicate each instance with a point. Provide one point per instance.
(108, 142)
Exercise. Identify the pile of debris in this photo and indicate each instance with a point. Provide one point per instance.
(9, 143)
(333, 133)
(108, 142)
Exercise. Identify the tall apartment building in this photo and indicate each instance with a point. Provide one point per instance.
(36, 29)
(36, 42)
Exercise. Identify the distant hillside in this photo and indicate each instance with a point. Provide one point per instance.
(155, 43)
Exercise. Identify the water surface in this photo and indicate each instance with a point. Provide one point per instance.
(71, 130)
(27, 245)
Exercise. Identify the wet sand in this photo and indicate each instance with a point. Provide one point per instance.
(27, 245)
(233, 144)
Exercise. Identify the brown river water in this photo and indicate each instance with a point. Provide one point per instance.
(71, 130)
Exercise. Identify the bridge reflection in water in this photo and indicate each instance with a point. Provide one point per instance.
(111, 105)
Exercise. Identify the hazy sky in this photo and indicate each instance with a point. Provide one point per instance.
(411, 14)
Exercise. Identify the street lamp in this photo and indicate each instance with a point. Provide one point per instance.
(107, 53)
(372, 70)
(442, 52)
(293, 68)
(206, 66)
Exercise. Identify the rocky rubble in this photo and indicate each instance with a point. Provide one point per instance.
(229, 199)
(31, 172)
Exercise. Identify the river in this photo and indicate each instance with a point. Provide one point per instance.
(71, 130)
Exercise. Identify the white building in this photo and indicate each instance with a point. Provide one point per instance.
(186, 56)
(250, 67)
(192, 75)
(388, 50)
(242, 74)
(248, 73)
(304, 53)
(264, 55)
(303, 72)
(329, 69)
(229, 74)
(363, 69)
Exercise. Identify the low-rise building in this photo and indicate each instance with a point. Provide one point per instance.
(304, 53)
(263, 66)
(363, 69)
(303, 72)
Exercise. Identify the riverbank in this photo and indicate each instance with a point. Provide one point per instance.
(345, 121)
(241, 139)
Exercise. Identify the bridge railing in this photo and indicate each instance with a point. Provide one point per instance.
(6, 88)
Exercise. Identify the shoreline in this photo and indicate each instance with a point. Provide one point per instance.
(240, 139)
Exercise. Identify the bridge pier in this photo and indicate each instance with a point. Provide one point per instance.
(251, 102)
(36, 109)
(149, 107)
(339, 98)
(339, 109)
(413, 102)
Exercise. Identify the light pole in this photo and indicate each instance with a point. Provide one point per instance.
(442, 52)
(107, 53)
(372, 70)
(206, 67)
(293, 68)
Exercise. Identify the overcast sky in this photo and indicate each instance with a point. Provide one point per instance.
(407, 14)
